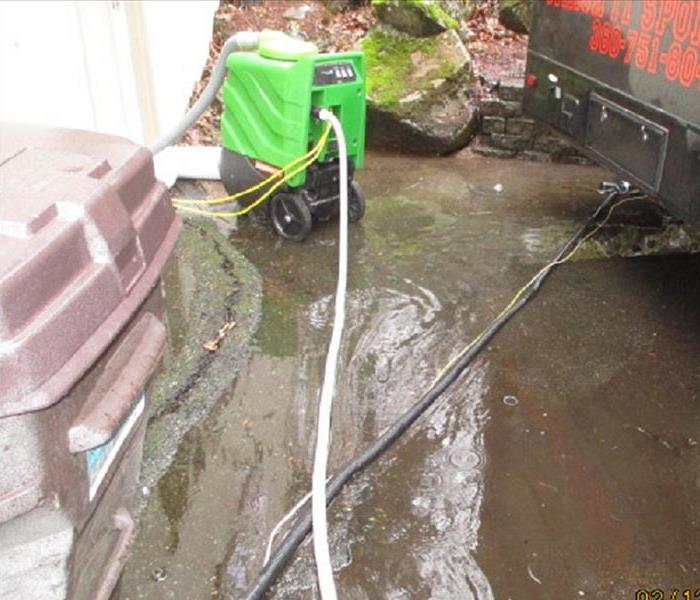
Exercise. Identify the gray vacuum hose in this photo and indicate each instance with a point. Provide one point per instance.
(242, 41)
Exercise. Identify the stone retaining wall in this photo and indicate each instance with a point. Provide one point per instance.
(505, 132)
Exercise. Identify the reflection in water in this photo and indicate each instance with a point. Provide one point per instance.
(178, 484)
(451, 492)
(391, 336)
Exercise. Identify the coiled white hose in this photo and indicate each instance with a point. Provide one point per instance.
(324, 568)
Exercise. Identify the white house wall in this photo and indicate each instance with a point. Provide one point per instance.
(126, 68)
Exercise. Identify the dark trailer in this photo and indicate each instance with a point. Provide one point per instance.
(622, 78)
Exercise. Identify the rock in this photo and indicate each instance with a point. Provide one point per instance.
(491, 152)
(399, 65)
(297, 13)
(417, 92)
(423, 136)
(511, 91)
(516, 15)
(553, 144)
(523, 127)
(493, 125)
(416, 17)
(654, 234)
(336, 6)
(494, 107)
(534, 156)
(508, 142)
(460, 9)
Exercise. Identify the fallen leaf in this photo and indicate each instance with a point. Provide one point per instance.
(214, 344)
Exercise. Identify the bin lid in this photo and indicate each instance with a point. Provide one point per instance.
(85, 229)
(280, 46)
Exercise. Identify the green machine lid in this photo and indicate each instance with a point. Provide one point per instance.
(280, 46)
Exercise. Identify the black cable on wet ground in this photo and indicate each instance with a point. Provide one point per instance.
(294, 538)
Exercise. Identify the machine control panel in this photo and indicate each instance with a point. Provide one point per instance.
(331, 73)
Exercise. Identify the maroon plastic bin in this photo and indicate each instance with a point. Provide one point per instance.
(85, 230)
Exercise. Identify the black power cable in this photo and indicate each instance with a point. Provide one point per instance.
(284, 552)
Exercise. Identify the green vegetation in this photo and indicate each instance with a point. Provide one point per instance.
(391, 73)
(430, 8)
(437, 13)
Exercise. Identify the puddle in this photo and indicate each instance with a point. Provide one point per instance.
(528, 479)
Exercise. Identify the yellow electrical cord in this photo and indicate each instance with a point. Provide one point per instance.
(534, 278)
(262, 183)
(232, 197)
(285, 173)
(247, 209)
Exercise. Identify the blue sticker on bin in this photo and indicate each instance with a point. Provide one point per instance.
(99, 459)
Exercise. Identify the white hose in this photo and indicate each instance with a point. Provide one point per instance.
(324, 568)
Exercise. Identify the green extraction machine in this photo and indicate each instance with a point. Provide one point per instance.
(270, 134)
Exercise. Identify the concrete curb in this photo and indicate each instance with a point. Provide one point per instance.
(207, 284)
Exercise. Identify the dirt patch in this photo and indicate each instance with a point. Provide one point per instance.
(497, 53)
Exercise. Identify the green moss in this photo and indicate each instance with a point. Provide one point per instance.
(390, 69)
(438, 14)
(388, 64)
(430, 8)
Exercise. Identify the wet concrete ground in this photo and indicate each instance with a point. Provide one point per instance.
(565, 463)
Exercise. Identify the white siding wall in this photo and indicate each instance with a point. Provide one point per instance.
(115, 66)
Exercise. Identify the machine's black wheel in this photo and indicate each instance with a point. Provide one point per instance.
(291, 217)
(356, 202)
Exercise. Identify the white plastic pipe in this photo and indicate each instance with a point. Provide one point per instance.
(324, 569)
(187, 162)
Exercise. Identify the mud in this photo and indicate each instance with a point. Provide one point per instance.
(563, 464)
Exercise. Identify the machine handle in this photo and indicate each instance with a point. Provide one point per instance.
(124, 523)
(121, 383)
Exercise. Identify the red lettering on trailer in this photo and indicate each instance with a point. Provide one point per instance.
(653, 62)
(665, 15)
(695, 39)
(620, 12)
(683, 21)
(648, 14)
(598, 8)
(687, 70)
(630, 45)
(615, 10)
(646, 43)
(641, 56)
(673, 61)
(627, 13)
